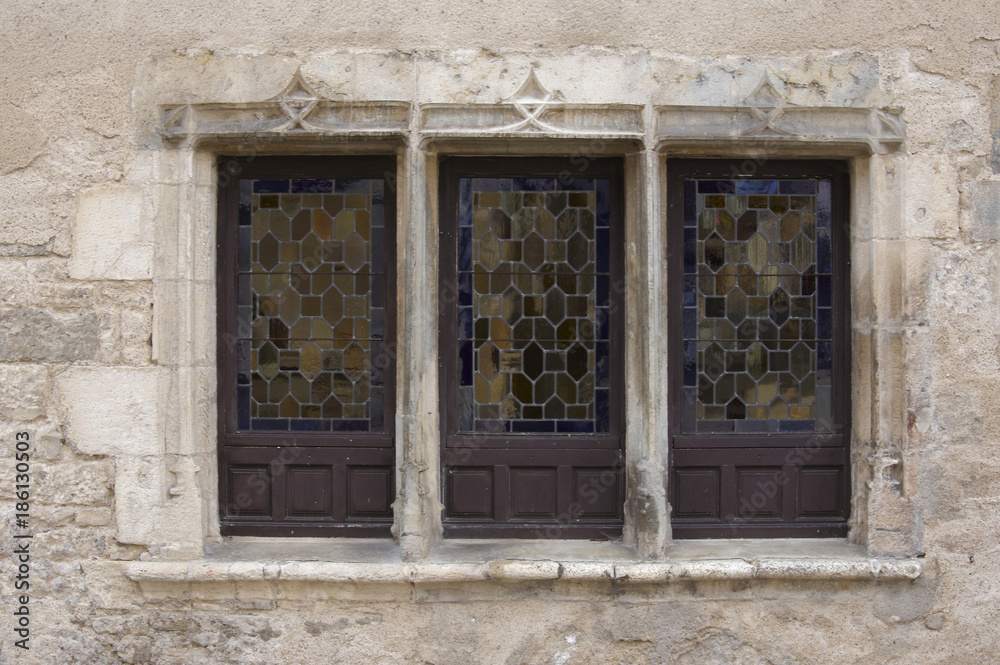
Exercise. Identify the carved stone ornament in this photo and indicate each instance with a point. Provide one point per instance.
(533, 111)
(766, 115)
(297, 110)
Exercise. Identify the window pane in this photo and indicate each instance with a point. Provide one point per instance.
(311, 294)
(757, 316)
(533, 315)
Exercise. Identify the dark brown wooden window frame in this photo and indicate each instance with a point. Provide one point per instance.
(345, 457)
(788, 451)
(499, 452)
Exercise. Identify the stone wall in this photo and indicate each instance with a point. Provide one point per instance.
(110, 124)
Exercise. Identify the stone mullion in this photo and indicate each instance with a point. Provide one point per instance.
(647, 516)
(418, 509)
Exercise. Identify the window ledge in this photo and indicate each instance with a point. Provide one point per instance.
(266, 560)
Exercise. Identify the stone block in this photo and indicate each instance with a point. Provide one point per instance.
(112, 237)
(156, 505)
(23, 138)
(93, 516)
(23, 391)
(985, 210)
(931, 197)
(111, 410)
(34, 335)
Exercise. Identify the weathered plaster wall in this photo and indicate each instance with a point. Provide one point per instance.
(94, 271)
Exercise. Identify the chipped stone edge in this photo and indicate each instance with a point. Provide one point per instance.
(765, 568)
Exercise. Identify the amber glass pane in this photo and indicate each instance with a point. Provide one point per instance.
(533, 315)
(757, 305)
(311, 305)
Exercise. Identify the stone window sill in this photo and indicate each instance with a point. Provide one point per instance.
(505, 561)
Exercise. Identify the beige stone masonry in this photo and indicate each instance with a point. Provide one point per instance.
(112, 236)
(112, 410)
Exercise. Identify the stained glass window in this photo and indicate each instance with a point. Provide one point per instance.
(533, 310)
(311, 297)
(757, 298)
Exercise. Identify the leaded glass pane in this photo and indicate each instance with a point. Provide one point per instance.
(533, 315)
(758, 324)
(311, 295)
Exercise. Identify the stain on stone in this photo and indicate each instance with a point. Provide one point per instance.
(317, 628)
(995, 156)
(30, 335)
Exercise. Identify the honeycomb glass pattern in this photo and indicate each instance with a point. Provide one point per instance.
(758, 321)
(311, 305)
(533, 314)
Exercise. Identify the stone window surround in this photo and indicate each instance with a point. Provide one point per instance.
(298, 122)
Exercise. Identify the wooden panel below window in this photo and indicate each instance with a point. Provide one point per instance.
(321, 492)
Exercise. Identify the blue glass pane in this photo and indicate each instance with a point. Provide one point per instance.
(377, 325)
(690, 323)
(491, 184)
(533, 426)
(567, 183)
(273, 424)
(710, 426)
(690, 249)
(465, 363)
(716, 187)
(246, 198)
(243, 362)
(603, 202)
(690, 290)
(378, 290)
(378, 191)
(575, 426)
(824, 355)
(465, 323)
(378, 250)
(352, 186)
(603, 325)
(465, 201)
(465, 290)
(800, 187)
(310, 425)
(753, 426)
(378, 215)
(797, 425)
(243, 252)
(757, 187)
(243, 408)
(602, 292)
(243, 291)
(465, 248)
(602, 407)
(824, 323)
(312, 186)
(270, 186)
(824, 291)
(690, 363)
(349, 425)
(602, 362)
(532, 184)
(823, 257)
(603, 250)
(690, 203)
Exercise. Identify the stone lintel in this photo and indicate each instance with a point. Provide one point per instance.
(878, 131)
(273, 118)
(546, 119)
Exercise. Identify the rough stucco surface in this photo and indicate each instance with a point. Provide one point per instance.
(86, 187)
